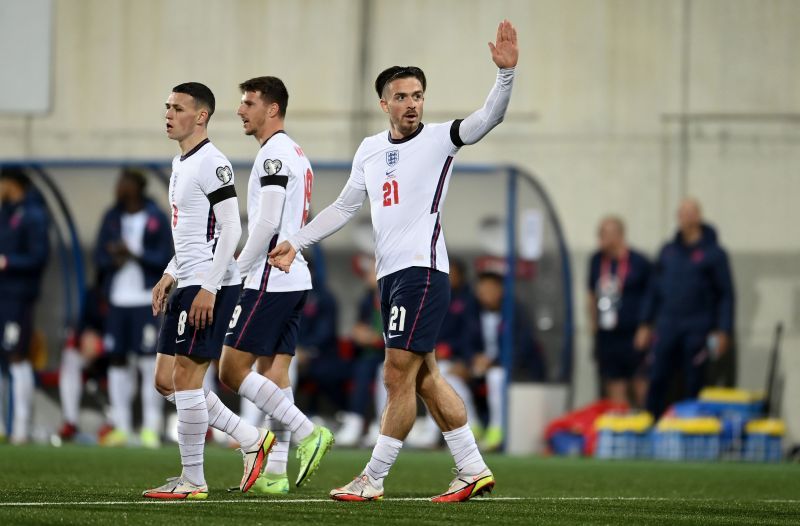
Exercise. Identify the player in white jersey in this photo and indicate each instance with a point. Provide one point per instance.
(404, 172)
(265, 323)
(205, 231)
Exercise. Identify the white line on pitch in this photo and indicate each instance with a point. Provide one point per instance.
(400, 499)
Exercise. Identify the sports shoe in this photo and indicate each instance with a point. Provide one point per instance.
(271, 484)
(254, 458)
(149, 439)
(464, 487)
(359, 490)
(310, 451)
(177, 488)
(67, 431)
(493, 439)
(114, 438)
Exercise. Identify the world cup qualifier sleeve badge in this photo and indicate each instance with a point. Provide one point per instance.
(392, 157)
(224, 174)
(272, 166)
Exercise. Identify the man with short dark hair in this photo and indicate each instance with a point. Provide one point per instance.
(405, 174)
(23, 256)
(265, 323)
(205, 232)
(133, 246)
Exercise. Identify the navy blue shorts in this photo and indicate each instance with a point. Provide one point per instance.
(131, 330)
(16, 326)
(178, 337)
(266, 323)
(414, 302)
(616, 357)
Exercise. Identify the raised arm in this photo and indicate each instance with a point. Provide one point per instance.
(504, 54)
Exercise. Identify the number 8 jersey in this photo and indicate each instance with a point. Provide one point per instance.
(280, 166)
(406, 181)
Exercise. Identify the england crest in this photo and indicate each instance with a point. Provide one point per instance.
(272, 166)
(392, 157)
(224, 174)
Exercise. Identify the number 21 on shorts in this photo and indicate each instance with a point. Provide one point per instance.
(394, 323)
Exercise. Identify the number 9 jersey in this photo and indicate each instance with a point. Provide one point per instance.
(280, 166)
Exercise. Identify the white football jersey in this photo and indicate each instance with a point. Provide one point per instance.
(406, 181)
(280, 164)
(200, 179)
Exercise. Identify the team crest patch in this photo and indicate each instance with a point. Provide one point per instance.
(392, 157)
(272, 166)
(224, 174)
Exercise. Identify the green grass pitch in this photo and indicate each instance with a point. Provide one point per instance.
(81, 485)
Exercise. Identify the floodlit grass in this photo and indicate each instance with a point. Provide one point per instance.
(82, 485)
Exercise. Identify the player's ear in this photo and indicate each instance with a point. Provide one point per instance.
(384, 105)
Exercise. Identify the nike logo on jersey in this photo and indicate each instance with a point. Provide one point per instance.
(180, 341)
(390, 172)
(228, 333)
(394, 336)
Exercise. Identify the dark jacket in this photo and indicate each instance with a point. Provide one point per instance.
(157, 244)
(692, 285)
(319, 321)
(634, 289)
(528, 361)
(460, 337)
(24, 243)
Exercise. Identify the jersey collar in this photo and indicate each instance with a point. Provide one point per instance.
(271, 136)
(195, 149)
(405, 139)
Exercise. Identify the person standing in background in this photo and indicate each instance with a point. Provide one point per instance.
(688, 312)
(23, 255)
(133, 246)
(618, 280)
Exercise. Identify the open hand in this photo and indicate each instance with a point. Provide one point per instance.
(504, 50)
(281, 257)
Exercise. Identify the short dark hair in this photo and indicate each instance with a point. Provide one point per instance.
(16, 174)
(272, 89)
(136, 176)
(200, 93)
(398, 72)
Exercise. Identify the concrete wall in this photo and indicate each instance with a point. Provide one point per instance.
(619, 105)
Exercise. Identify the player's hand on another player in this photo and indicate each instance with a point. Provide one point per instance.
(160, 293)
(201, 314)
(504, 50)
(281, 257)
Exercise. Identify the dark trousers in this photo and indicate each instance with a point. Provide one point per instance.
(677, 345)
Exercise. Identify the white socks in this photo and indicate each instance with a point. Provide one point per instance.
(279, 457)
(152, 401)
(270, 399)
(192, 428)
(465, 452)
(120, 395)
(495, 380)
(70, 384)
(222, 418)
(383, 456)
(22, 379)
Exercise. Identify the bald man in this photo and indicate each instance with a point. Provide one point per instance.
(688, 313)
(618, 280)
